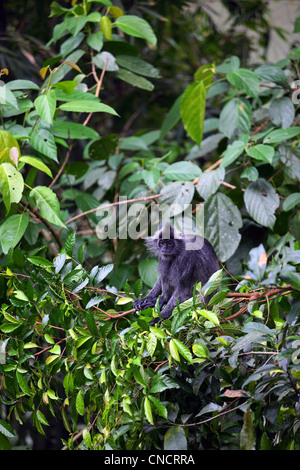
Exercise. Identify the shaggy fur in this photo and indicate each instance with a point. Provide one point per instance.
(183, 262)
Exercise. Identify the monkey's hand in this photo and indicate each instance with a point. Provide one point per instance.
(144, 303)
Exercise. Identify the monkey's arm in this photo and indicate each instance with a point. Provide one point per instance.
(150, 299)
(180, 295)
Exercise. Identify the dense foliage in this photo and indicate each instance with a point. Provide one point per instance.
(74, 354)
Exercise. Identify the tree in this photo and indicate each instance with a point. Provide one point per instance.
(224, 375)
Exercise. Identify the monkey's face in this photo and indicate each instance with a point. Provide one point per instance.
(167, 247)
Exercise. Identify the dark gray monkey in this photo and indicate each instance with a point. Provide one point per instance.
(183, 261)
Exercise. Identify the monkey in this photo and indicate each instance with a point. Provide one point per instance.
(183, 261)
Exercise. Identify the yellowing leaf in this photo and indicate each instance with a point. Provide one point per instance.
(43, 71)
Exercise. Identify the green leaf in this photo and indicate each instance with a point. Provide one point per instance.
(200, 350)
(175, 439)
(151, 344)
(235, 116)
(40, 261)
(261, 202)
(173, 350)
(7, 143)
(222, 223)
(23, 384)
(12, 230)
(46, 105)
(211, 316)
(48, 204)
(247, 435)
(22, 85)
(105, 26)
(87, 106)
(73, 130)
(12, 184)
(244, 80)
(271, 73)
(280, 135)
(162, 410)
(79, 403)
(261, 152)
(103, 272)
(148, 411)
(137, 27)
(135, 80)
(137, 65)
(282, 112)
(6, 429)
(182, 171)
(183, 350)
(36, 164)
(192, 110)
(43, 141)
(148, 271)
(291, 201)
(232, 153)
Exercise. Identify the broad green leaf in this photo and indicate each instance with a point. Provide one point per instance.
(175, 439)
(6, 429)
(106, 60)
(182, 171)
(137, 27)
(45, 105)
(95, 40)
(134, 80)
(235, 116)
(251, 173)
(40, 261)
(151, 344)
(22, 85)
(103, 272)
(205, 73)
(291, 201)
(183, 350)
(271, 73)
(261, 202)
(23, 384)
(261, 152)
(200, 349)
(48, 204)
(192, 110)
(137, 65)
(36, 163)
(73, 130)
(279, 135)
(84, 106)
(177, 194)
(282, 112)
(12, 230)
(209, 182)
(222, 223)
(79, 403)
(244, 80)
(43, 141)
(12, 184)
(247, 435)
(232, 153)
(148, 410)
(148, 271)
(173, 350)
(105, 26)
(211, 316)
(7, 143)
(230, 64)
(162, 410)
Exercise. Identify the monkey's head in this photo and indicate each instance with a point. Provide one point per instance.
(167, 242)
